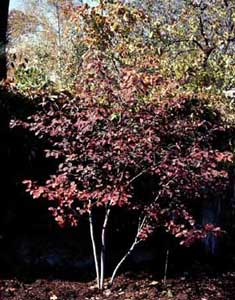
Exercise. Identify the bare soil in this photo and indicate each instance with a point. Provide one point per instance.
(129, 286)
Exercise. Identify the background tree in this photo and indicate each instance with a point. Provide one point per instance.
(51, 41)
(195, 40)
(192, 40)
(4, 7)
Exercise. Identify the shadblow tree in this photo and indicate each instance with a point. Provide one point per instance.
(128, 127)
(106, 149)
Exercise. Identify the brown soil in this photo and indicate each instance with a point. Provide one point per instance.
(126, 287)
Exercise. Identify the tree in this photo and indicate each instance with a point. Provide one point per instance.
(21, 25)
(107, 150)
(49, 39)
(129, 138)
(4, 7)
(195, 40)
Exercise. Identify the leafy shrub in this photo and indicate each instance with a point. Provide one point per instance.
(31, 79)
(107, 148)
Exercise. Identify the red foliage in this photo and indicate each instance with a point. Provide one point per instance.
(107, 146)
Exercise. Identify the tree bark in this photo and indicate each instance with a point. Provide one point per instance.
(103, 246)
(4, 8)
(92, 236)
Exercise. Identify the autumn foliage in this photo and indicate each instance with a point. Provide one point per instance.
(107, 147)
(129, 127)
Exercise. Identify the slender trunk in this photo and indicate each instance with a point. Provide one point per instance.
(166, 266)
(122, 261)
(103, 246)
(94, 246)
(132, 247)
(59, 41)
(4, 7)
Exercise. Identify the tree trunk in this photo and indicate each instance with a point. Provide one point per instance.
(4, 7)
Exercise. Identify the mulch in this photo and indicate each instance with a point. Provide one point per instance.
(129, 286)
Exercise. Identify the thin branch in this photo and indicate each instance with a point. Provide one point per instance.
(137, 176)
(103, 245)
(202, 30)
(130, 250)
(94, 245)
(166, 266)
(198, 44)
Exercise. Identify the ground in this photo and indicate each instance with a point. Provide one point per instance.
(129, 286)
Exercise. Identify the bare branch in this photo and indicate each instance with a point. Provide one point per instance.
(103, 245)
(94, 246)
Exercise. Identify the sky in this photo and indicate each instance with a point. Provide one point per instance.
(14, 4)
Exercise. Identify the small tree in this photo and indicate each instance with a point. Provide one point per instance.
(126, 126)
(107, 148)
